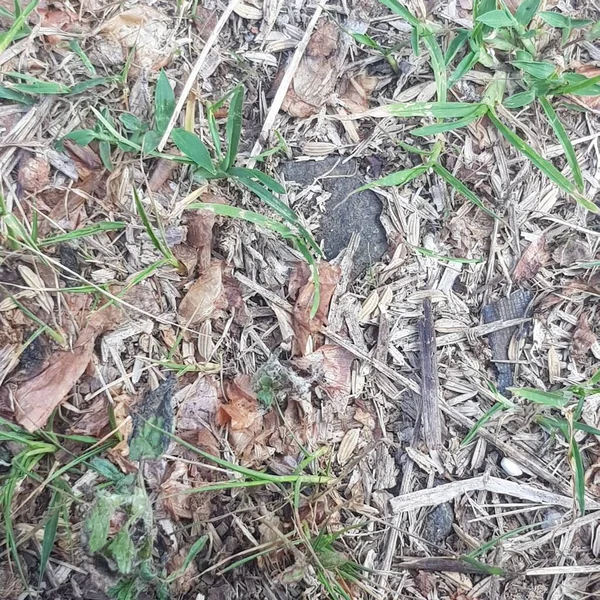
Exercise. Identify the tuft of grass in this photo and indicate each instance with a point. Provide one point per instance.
(499, 41)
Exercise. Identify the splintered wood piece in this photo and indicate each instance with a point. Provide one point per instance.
(432, 419)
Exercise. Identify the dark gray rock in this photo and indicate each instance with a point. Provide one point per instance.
(344, 216)
(438, 523)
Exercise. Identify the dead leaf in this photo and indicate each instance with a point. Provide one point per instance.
(199, 404)
(304, 326)
(331, 365)
(59, 20)
(185, 581)
(204, 298)
(532, 260)
(173, 491)
(94, 420)
(143, 28)
(317, 73)
(235, 301)
(162, 172)
(34, 173)
(583, 338)
(187, 256)
(36, 399)
(572, 252)
(355, 92)
(200, 232)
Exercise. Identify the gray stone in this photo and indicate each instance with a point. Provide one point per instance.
(343, 216)
(438, 523)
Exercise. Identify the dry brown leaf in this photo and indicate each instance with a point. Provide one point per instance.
(94, 420)
(570, 253)
(532, 260)
(304, 326)
(317, 73)
(60, 20)
(143, 28)
(235, 300)
(204, 298)
(187, 256)
(162, 172)
(173, 490)
(36, 399)
(583, 338)
(242, 410)
(331, 365)
(34, 173)
(185, 581)
(199, 404)
(200, 232)
(356, 92)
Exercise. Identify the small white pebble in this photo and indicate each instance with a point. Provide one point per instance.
(511, 467)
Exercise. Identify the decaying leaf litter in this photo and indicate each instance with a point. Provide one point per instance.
(184, 415)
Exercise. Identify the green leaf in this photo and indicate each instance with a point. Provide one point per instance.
(554, 19)
(363, 38)
(97, 524)
(395, 179)
(481, 7)
(150, 141)
(496, 19)
(463, 67)
(164, 103)
(42, 88)
(594, 33)
(482, 421)
(193, 148)
(104, 151)
(194, 550)
(105, 468)
(447, 126)
(563, 138)
(263, 178)
(519, 100)
(456, 45)
(83, 86)
(10, 94)
(50, 529)
(130, 122)
(461, 188)
(437, 110)
(526, 11)
(87, 63)
(19, 22)
(234, 127)
(148, 440)
(578, 473)
(415, 38)
(554, 399)
(438, 66)
(397, 8)
(579, 85)
(82, 137)
(83, 232)
(545, 166)
(122, 549)
(539, 70)
(595, 378)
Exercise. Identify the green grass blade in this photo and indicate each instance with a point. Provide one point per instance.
(496, 19)
(537, 69)
(88, 84)
(463, 67)
(7, 93)
(482, 421)
(456, 45)
(436, 110)
(578, 472)
(83, 232)
(234, 127)
(545, 166)
(193, 148)
(553, 399)
(87, 63)
(395, 179)
(263, 178)
(7, 38)
(519, 99)
(526, 11)
(438, 65)
(461, 188)
(563, 138)
(584, 86)
(447, 126)
(402, 11)
(50, 530)
(158, 244)
(164, 102)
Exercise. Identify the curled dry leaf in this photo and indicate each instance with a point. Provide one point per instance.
(304, 326)
(331, 365)
(200, 234)
(34, 173)
(143, 28)
(583, 338)
(355, 92)
(532, 260)
(317, 73)
(204, 298)
(36, 399)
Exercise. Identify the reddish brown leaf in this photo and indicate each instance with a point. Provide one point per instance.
(304, 326)
(583, 338)
(162, 172)
(204, 298)
(242, 410)
(94, 420)
(356, 92)
(332, 365)
(173, 491)
(532, 260)
(235, 301)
